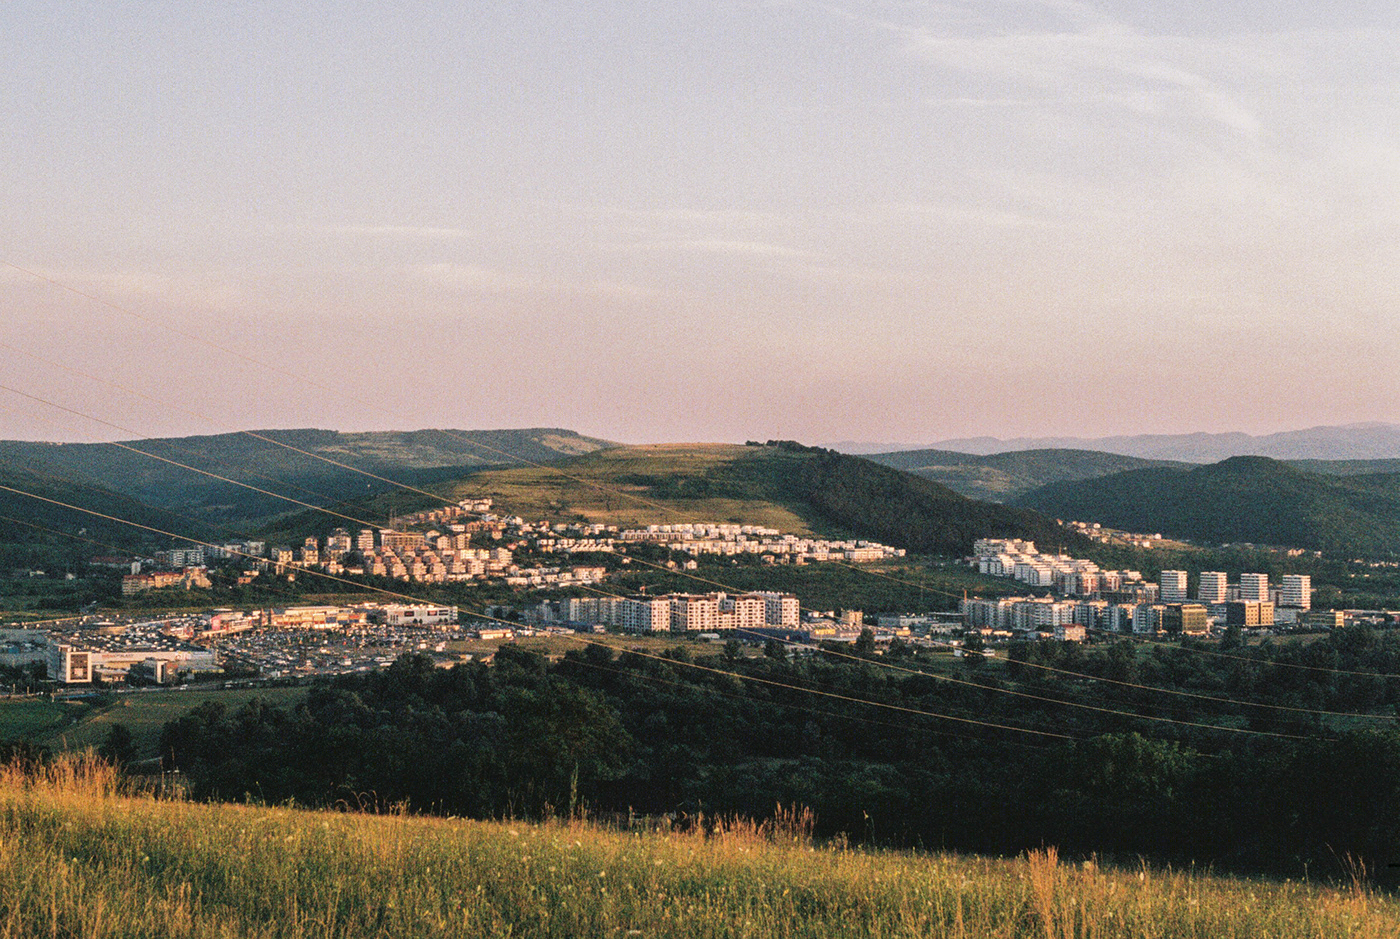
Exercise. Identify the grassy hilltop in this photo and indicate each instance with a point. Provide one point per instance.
(81, 859)
(803, 490)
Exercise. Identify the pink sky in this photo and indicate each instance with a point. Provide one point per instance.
(870, 221)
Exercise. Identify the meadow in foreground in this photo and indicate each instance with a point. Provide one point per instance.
(78, 857)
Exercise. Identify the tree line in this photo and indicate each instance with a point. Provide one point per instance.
(620, 733)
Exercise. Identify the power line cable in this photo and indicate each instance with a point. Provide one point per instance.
(247, 433)
(397, 594)
(193, 469)
(555, 469)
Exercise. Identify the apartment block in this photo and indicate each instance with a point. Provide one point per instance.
(1212, 588)
(1254, 588)
(1296, 591)
(1173, 587)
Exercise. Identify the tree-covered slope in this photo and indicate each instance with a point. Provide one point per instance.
(1001, 477)
(33, 529)
(907, 510)
(1253, 499)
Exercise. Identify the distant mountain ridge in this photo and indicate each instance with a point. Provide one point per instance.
(410, 457)
(1367, 441)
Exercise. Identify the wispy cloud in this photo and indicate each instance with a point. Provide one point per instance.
(1084, 56)
(468, 277)
(963, 215)
(711, 246)
(425, 232)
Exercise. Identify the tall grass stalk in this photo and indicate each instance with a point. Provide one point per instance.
(82, 854)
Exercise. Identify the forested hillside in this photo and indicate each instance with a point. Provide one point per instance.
(38, 532)
(1244, 499)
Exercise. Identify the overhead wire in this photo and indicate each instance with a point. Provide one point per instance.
(247, 433)
(186, 466)
(583, 481)
(643, 561)
(411, 598)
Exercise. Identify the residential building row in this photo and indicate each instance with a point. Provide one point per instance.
(1071, 620)
(1294, 591)
(677, 612)
(725, 539)
(1018, 559)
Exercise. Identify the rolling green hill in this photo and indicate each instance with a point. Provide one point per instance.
(412, 457)
(1001, 477)
(1243, 499)
(796, 489)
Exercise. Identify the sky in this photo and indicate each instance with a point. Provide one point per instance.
(892, 221)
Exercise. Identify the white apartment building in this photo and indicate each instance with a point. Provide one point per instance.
(1042, 613)
(988, 614)
(985, 547)
(780, 609)
(694, 612)
(1296, 591)
(646, 615)
(1212, 588)
(1254, 587)
(1173, 587)
(604, 611)
(746, 611)
(1119, 617)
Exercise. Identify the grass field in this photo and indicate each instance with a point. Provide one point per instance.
(32, 719)
(618, 490)
(80, 860)
(143, 713)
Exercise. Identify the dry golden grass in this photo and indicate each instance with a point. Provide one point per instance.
(83, 855)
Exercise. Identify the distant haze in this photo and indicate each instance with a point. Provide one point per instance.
(1351, 442)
